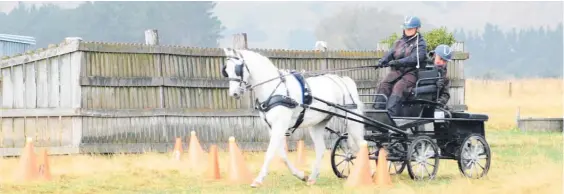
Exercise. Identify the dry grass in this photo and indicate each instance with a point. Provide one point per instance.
(534, 97)
(522, 163)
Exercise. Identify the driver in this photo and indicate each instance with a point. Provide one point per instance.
(404, 58)
(443, 54)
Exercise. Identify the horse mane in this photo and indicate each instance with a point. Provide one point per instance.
(257, 58)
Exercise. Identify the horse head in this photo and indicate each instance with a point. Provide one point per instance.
(237, 72)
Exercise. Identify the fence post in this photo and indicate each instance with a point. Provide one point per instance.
(510, 89)
(240, 42)
(322, 46)
(151, 37)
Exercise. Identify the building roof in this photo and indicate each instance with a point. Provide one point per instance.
(17, 39)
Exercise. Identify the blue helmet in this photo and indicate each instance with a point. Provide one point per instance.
(411, 22)
(444, 51)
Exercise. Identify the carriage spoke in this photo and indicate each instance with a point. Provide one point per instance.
(340, 162)
(341, 155)
(475, 169)
(428, 173)
(483, 168)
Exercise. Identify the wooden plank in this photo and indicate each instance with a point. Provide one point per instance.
(54, 82)
(68, 112)
(19, 132)
(8, 135)
(120, 81)
(176, 82)
(53, 150)
(30, 128)
(42, 129)
(30, 85)
(66, 131)
(65, 75)
(37, 55)
(218, 52)
(42, 84)
(7, 88)
(76, 63)
(166, 112)
(19, 87)
(40, 112)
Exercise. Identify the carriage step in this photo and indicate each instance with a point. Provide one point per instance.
(381, 116)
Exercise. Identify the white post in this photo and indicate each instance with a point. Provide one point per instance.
(152, 37)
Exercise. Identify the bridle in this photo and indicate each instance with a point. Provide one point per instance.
(243, 85)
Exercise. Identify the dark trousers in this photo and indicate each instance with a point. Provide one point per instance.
(393, 87)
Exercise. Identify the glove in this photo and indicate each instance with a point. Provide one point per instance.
(394, 63)
(440, 83)
(381, 64)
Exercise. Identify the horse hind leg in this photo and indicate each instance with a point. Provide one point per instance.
(355, 133)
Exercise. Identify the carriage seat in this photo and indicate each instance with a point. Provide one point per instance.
(425, 87)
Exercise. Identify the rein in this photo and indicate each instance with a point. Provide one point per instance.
(313, 73)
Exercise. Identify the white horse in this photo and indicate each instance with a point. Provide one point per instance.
(248, 69)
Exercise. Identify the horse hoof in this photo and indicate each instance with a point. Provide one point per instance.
(255, 184)
(305, 178)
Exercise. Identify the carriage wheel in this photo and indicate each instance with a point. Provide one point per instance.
(421, 154)
(341, 156)
(475, 158)
(397, 167)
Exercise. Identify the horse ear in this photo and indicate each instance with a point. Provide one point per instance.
(229, 52)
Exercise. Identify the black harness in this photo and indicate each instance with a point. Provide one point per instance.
(276, 99)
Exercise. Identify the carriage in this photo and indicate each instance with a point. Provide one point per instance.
(453, 135)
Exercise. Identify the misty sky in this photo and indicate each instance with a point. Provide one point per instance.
(277, 19)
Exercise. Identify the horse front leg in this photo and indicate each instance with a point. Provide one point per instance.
(279, 119)
(297, 173)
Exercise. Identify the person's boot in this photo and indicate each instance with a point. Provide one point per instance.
(393, 105)
(379, 103)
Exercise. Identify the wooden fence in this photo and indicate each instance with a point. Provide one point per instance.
(80, 96)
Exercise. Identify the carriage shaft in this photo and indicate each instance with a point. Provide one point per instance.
(356, 114)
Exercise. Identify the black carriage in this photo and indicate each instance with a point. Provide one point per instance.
(454, 135)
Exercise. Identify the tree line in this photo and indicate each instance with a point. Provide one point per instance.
(494, 53)
(527, 52)
(179, 23)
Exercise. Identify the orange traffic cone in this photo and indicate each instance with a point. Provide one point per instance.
(44, 169)
(301, 158)
(195, 152)
(213, 167)
(28, 163)
(360, 174)
(383, 177)
(177, 152)
(238, 170)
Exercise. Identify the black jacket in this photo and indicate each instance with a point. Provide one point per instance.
(405, 52)
(443, 85)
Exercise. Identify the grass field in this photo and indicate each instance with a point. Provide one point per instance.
(521, 162)
(534, 97)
